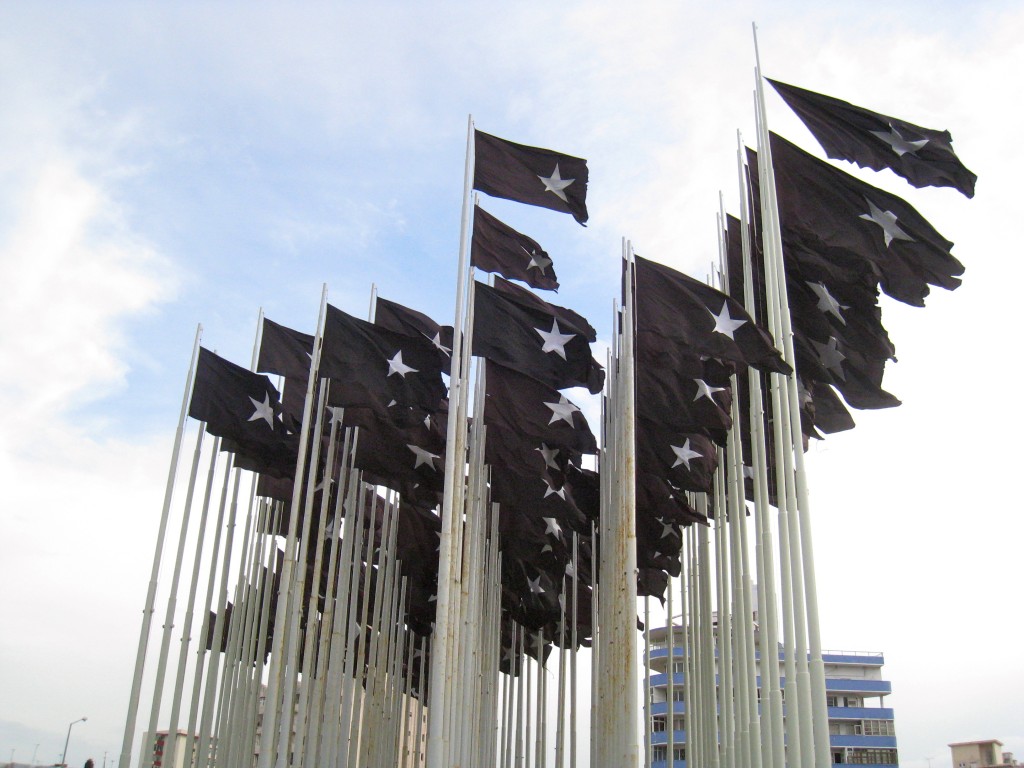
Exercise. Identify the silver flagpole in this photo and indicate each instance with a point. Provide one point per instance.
(647, 682)
(275, 676)
(670, 719)
(727, 739)
(768, 611)
(172, 598)
(451, 515)
(147, 612)
(819, 710)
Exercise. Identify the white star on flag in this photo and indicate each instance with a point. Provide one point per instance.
(538, 261)
(552, 527)
(897, 143)
(685, 454)
(535, 587)
(395, 365)
(827, 302)
(555, 183)
(555, 340)
(569, 570)
(549, 455)
(724, 324)
(887, 221)
(562, 411)
(423, 456)
(560, 493)
(830, 356)
(706, 390)
(666, 529)
(263, 410)
(436, 341)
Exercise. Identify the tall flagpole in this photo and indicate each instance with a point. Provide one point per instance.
(819, 711)
(147, 612)
(451, 515)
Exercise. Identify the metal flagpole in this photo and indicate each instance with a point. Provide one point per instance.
(147, 611)
(451, 515)
(727, 738)
(819, 710)
(275, 681)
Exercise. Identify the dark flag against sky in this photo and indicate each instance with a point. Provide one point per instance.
(499, 248)
(401, 319)
(830, 212)
(678, 307)
(534, 339)
(923, 156)
(519, 403)
(287, 353)
(370, 365)
(531, 175)
(244, 407)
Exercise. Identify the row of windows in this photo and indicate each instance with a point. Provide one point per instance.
(867, 757)
(658, 723)
(660, 753)
(862, 728)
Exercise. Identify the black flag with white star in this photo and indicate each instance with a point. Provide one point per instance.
(531, 175)
(829, 212)
(686, 460)
(519, 403)
(370, 365)
(675, 306)
(534, 340)
(243, 407)
(401, 319)
(287, 353)
(499, 248)
(922, 156)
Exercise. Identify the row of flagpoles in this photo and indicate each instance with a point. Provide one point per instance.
(386, 633)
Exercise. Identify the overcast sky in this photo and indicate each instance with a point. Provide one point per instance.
(166, 166)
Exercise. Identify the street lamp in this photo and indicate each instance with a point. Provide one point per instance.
(63, 758)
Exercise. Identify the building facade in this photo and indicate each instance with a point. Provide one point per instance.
(981, 754)
(861, 729)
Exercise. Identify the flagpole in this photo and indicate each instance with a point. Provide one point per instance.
(147, 611)
(769, 638)
(451, 515)
(275, 681)
(819, 710)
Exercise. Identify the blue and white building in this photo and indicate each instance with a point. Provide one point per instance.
(861, 728)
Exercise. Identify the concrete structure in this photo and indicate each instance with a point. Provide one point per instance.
(155, 746)
(861, 729)
(981, 754)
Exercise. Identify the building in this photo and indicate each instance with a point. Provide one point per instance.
(981, 754)
(155, 746)
(861, 728)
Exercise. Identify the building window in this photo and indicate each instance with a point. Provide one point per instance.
(831, 701)
(872, 756)
(879, 728)
(659, 753)
(658, 724)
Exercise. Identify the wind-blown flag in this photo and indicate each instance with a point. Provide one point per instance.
(533, 339)
(922, 156)
(243, 407)
(677, 307)
(287, 353)
(829, 212)
(519, 403)
(499, 248)
(686, 460)
(531, 175)
(401, 319)
(370, 366)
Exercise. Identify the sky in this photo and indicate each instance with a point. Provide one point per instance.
(167, 165)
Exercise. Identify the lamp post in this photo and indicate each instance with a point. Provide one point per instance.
(63, 758)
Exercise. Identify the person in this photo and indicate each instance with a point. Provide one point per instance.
(89, 763)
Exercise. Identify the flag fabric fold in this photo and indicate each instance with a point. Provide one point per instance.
(496, 247)
(922, 156)
(531, 175)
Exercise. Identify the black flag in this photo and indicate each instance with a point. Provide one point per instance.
(399, 318)
(499, 248)
(678, 307)
(370, 365)
(531, 175)
(922, 156)
(244, 407)
(534, 340)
